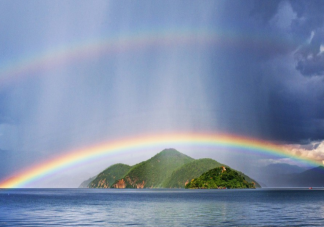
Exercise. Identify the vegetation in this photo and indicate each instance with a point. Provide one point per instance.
(168, 169)
(250, 180)
(220, 177)
(107, 177)
(185, 173)
(153, 172)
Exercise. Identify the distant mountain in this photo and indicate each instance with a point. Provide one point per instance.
(285, 175)
(153, 172)
(282, 168)
(276, 175)
(309, 178)
(85, 184)
(220, 177)
(106, 178)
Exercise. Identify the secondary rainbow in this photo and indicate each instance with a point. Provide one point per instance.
(27, 65)
(129, 145)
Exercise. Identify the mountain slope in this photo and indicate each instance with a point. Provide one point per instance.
(190, 171)
(153, 172)
(220, 177)
(194, 169)
(85, 184)
(249, 179)
(107, 177)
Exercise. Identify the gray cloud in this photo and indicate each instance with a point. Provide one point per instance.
(294, 102)
(311, 67)
(311, 55)
(306, 31)
(313, 151)
(308, 26)
(265, 10)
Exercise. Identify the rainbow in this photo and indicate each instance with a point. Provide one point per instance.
(28, 65)
(135, 144)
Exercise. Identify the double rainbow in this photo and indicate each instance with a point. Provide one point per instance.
(32, 63)
(135, 144)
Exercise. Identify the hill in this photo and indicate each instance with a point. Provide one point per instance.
(85, 184)
(107, 177)
(218, 178)
(189, 171)
(153, 172)
(194, 169)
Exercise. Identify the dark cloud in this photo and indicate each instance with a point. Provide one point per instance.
(308, 27)
(313, 10)
(295, 104)
(265, 10)
(306, 31)
(311, 55)
(309, 17)
(311, 67)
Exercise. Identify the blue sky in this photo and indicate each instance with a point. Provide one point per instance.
(263, 78)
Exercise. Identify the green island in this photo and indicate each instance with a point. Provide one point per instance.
(170, 169)
(220, 178)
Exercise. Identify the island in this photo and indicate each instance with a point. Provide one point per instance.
(169, 169)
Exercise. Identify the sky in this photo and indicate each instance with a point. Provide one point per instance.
(77, 73)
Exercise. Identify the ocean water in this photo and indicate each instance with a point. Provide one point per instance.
(118, 207)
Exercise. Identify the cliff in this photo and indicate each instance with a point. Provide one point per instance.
(107, 177)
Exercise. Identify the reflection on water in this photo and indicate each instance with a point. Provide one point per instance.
(32, 207)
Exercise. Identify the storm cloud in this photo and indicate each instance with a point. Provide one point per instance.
(312, 151)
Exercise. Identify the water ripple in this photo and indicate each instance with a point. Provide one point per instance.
(80, 207)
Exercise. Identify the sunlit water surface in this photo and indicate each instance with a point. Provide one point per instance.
(97, 207)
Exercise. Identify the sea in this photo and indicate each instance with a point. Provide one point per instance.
(161, 207)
